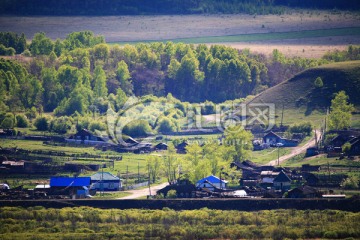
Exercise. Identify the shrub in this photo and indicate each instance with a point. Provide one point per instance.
(165, 125)
(41, 124)
(330, 235)
(350, 183)
(8, 123)
(318, 82)
(22, 121)
(171, 194)
(60, 125)
(138, 128)
(27, 53)
(305, 128)
(97, 126)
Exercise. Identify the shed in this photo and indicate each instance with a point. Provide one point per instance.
(303, 192)
(84, 136)
(105, 181)
(161, 146)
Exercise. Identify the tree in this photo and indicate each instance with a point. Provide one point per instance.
(171, 164)
(100, 89)
(22, 121)
(41, 45)
(340, 112)
(41, 124)
(239, 142)
(154, 165)
(123, 76)
(121, 98)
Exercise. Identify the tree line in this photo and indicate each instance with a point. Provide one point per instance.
(82, 72)
(140, 7)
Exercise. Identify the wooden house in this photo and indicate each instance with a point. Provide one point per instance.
(303, 192)
(76, 187)
(105, 181)
(282, 182)
(211, 182)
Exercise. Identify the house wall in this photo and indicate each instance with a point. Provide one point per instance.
(282, 185)
(107, 186)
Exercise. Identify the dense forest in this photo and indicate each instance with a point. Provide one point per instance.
(92, 223)
(53, 73)
(136, 7)
(82, 76)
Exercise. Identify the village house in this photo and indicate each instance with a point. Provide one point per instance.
(84, 136)
(303, 192)
(105, 181)
(75, 187)
(282, 182)
(274, 139)
(211, 182)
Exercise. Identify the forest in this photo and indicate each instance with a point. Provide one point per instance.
(91, 223)
(140, 7)
(54, 73)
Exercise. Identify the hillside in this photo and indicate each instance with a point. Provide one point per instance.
(300, 91)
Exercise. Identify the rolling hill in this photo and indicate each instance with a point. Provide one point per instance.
(300, 91)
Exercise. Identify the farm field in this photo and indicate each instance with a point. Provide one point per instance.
(299, 33)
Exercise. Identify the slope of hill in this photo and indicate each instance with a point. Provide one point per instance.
(300, 91)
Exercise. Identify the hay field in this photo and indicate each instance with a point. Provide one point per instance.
(169, 27)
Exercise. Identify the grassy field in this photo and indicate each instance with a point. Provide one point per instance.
(92, 223)
(264, 156)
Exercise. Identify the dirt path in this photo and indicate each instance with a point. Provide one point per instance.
(295, 151)
(144, 192)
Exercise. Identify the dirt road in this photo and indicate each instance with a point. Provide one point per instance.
(295, 151)
(145, 191)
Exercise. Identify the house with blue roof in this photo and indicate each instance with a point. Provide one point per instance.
(105, 181)
(211, 183)
(76, 187)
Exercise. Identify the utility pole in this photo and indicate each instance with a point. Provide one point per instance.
(282, 115)
(278, 156)
(149, 180)
(127, 174)
(138, 172)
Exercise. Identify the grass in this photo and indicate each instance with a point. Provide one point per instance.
(111, 195)
(350, 31)
(267, 155)
(299, 160)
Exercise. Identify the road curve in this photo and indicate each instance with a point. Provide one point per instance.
(144, 192)
(295, 151)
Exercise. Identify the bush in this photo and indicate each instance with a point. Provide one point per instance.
(22, 121)
(60, 125)
(93, 126)
(208, 108)
(305, 128)
(27, 53)
(318, 82)
(165, 125)
(138, 128)
(330, 235)
(7, 51)
(350, 183)
(41, 124)
(171, 194)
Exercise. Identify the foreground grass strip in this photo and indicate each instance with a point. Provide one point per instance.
(92, 223)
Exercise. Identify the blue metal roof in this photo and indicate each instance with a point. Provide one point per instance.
(69, 181)
(211, 179)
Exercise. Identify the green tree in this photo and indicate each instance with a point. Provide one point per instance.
(123, 76)
(154, 166)
(22, 121)
(171, 164)
(41, 124)
(100, 88)
(41, 45)
(340, 112)
(239, 142)
(121, 98)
